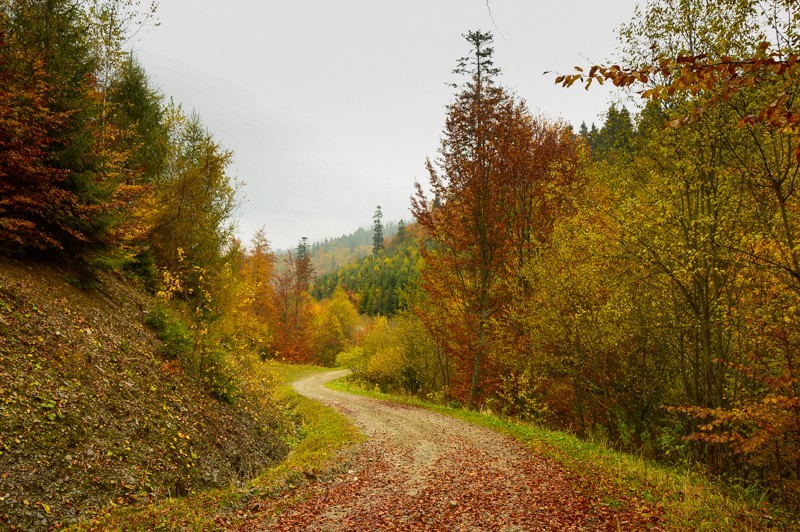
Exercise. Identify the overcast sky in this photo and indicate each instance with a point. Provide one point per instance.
(331, 107)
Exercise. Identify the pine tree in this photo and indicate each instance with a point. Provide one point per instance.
(401, 232)
(377, 231)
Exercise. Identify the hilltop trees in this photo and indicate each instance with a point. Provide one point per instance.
(378, 282)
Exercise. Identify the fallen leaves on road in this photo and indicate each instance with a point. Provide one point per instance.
(424, 471)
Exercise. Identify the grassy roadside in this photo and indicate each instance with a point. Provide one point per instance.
(322, 432)
(689, 500)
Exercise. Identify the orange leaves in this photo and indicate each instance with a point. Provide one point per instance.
(36, 208)
(492, 208)
(716, 79)
(746, 429)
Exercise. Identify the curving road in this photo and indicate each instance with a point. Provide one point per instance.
(421, 470)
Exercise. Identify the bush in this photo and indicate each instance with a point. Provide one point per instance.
(208, 364)
(354, 358)
(176, 337)
(517, 396)
(218, 375)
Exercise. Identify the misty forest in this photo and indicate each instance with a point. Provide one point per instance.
(602, 323)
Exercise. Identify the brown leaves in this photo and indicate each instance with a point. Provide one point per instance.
(464, 487)
(716, 79)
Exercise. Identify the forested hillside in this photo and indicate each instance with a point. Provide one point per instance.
(334, 253)
(379, 280)
(129, 315)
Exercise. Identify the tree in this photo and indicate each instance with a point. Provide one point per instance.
(138, 111)
(293, 304)
(256, 314)
(334, 327)
(400, 236)
(304, 277)
(719, 228)
(463, 268)
(190, 212)
(377, 231)
(615, 135)
(490, 209)
(37, 208)
(55, 109)
(70, 52)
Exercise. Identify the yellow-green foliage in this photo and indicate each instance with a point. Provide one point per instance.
(354, 358)
(370, 360)
(382, 363)
(516, 396)
(396, 352)
(335, 324)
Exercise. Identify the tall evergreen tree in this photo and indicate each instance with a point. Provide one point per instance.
(377, 231)
(401, 232)
(303, 265)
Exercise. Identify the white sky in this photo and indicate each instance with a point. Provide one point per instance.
(331, 107)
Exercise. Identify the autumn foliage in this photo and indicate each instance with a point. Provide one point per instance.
(637, 282)
(38, 209)
(493, 206)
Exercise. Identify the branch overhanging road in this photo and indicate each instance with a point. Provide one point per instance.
(421, 470)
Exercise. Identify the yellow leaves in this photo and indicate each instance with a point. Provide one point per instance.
(171, 285)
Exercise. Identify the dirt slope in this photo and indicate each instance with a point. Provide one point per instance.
(90, 416)
(425, 471)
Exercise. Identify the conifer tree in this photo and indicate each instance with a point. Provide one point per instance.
(377, 231)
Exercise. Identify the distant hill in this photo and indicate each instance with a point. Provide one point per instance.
(334, 253)
(378, 280)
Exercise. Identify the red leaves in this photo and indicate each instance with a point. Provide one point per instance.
(498, 188)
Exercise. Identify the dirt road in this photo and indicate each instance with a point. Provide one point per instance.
(425, 471)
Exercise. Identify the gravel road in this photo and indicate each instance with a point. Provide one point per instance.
(421, 470)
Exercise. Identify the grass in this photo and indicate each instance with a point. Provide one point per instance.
(689, 500)
(322, 433)
(325, 430)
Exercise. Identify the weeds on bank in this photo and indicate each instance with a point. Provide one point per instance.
(320, 433)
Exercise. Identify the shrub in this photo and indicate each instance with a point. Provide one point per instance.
(176, 337)
(218, 375)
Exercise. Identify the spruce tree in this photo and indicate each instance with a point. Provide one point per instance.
(377, 231)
